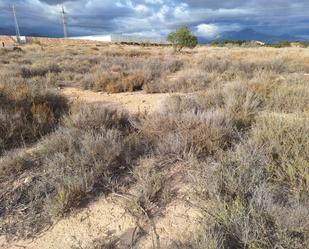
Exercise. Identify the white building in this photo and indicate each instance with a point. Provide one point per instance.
(20, 39)
(122, 39)
(103, 38)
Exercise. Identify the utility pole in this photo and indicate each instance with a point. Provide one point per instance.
(64, 22)
(16, 25)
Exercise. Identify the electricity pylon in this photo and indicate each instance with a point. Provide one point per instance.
(16, 25)
(64, 22)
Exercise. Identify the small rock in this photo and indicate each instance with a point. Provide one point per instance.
(72, 239)
(74, 242)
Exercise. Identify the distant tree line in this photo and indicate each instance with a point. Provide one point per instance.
(183, 38)
(225, 42)
(278, 44)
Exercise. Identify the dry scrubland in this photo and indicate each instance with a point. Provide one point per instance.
(239, 132)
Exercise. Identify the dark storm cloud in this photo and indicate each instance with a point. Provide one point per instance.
(53, 2)
(157, 17)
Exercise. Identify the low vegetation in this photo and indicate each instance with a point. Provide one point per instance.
(27, 112)
(238, 128)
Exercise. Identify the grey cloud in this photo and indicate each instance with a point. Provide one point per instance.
(54, 2)
(158, 16)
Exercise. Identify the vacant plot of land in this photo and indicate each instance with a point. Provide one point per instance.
(134, 147)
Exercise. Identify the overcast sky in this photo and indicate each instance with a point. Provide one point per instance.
(206, 18)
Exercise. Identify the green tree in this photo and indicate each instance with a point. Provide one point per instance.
(214, 43)
(282, 44)
(182, 38)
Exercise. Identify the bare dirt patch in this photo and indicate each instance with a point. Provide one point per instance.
(132, 101)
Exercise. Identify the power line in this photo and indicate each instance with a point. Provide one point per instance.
(16, 25)
(64, 21)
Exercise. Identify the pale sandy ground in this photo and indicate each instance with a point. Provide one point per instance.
(107, 216)
(132, 101)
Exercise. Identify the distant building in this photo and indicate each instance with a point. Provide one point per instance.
(10, 40)
(122, 39)
(259, 43)
(253, 44)
(298, 44)
(22, 39)
(102, 38)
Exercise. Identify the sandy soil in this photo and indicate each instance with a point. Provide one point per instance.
(105, 217)
(101, 218)
(132, 101)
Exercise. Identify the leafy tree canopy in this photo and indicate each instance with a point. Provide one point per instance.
(182, 38)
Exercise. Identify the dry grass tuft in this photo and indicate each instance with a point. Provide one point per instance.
(259, 190)
(27, 113)
(81, 159)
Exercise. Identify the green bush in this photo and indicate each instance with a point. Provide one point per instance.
(182, 38)
(214, 43)
(282, 44)
(234, 42)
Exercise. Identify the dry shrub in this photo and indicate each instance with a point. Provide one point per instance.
(149, 184)
(242, 102)
(126, 52)
(83, 161)
(115, 82)
(134, 81)
(119, 75)
(185, 81)
(84, 158)
(147, 198)
(26, 113)
(289, 98)
(93, 117)
(201, 124)
(263, 83)
(148, 193)
(13, 163)
(30, 72)
(178, 104)
(230, 66)
(287, 141)
(180, 134)
(257, 194)
(214, 72)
